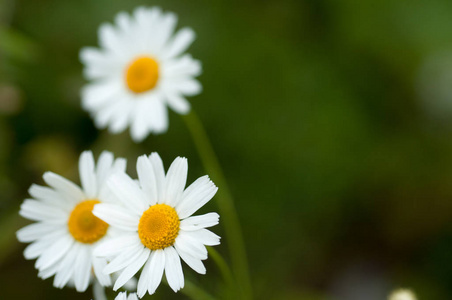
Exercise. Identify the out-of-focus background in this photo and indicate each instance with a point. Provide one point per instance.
(332, 120)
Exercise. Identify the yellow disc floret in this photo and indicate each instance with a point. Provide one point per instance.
(142, 74)
(159, 227)
(83, 225)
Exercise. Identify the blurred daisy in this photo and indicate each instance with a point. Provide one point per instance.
(402, 294)
(66, 231)
(155, 217)
(139, 69)
(123, 296)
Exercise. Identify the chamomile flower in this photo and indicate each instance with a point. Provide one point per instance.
(138, 71)
(123, 296)
(402, 294)
(155, 216)
(66, 231)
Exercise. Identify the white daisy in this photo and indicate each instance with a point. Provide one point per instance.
(402, 294)
(158, 230)
(123, 296)
(138, 71)
(66, 231)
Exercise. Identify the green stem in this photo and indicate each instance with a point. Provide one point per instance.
(223, 267)
(194, 292)
(225, 204)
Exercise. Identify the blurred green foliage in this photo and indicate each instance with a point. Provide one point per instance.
(342, 180)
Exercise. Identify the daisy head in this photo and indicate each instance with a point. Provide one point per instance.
(65, 231)
(139, 69)
(155, 217)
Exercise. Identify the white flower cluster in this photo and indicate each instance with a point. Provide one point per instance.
(113, 224)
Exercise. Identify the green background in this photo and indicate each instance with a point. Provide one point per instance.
(331, 119)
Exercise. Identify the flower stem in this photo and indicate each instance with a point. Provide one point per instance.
(195, 293)
(225, 204)
(223, 267)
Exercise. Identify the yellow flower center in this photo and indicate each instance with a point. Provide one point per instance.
(83, 225)
(158, 227)
(142, 74)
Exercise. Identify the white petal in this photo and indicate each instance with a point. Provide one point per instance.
(190, 246)
(107, 166)
(203, 236)
(199, 222)
(125, 22)
(37, 248)
(48, 272)
(99, 291)
(110, 112)
(64, 186)
(178, 103)
(195, 196)
(39, 211)
(113, 246)
(120, 165)
(110, 39)
(131, 285)
(87, 174)
(132, 269)
(132, 296)
(192, 262)
(98, 266)
(127, 256)
(173, 269)
(121, 296)
(158, 115)
(128, 192)
(83, 269)
(181, 68)
(165, 29)
(121, 119)
(142, 286)
(147, 179)
(175, 181)
(139, 128)
(147, 20)
(115, 215)
(100, 93)
(34, 231)
(98, 64)
(188, 87)
(66, 267)
(159, 172)
(156, 268)
(52, 254)
(49, 196)
(104, 166)
(179, 43)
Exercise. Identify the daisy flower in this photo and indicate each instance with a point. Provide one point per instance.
(158, 229)
(66, 231)
(139, 69)
(123, 296)
(402, 294)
